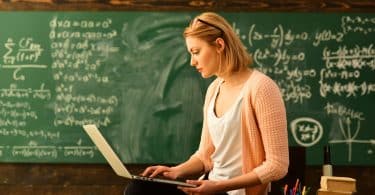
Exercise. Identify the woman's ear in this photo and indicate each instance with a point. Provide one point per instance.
(220, 44)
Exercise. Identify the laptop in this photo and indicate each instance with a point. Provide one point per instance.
(115, 161)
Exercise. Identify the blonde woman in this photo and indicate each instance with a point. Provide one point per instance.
(244, 143)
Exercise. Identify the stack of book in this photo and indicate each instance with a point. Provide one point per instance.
(331, 185)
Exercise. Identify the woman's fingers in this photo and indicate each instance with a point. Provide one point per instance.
(190, 190)
(153, 171)
(195, 182)
(147, 171)
(158, 170)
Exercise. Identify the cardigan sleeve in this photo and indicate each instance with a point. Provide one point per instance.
(270, 115)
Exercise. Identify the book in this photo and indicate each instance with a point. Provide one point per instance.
(326, 192)
(338, 184)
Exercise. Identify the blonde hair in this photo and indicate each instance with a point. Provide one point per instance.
(208, 27)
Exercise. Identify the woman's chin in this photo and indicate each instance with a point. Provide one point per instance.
(205, 76)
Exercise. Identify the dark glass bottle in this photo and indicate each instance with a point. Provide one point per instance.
(327, 165)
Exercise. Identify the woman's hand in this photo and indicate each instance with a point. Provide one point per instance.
(203, 187)
(168, 172)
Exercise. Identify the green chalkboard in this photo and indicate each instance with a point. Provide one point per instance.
(129, 73)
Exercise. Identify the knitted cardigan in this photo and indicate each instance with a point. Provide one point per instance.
(263, 131)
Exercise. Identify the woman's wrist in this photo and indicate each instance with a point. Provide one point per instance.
(177, 172)
(221, 186)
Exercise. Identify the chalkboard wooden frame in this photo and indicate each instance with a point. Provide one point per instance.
(192, 5)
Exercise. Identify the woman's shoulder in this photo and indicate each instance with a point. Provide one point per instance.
(258, 78)
(260, 81)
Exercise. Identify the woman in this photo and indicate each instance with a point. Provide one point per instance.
(244, 143)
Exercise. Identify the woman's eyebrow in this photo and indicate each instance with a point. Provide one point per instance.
(192, 49)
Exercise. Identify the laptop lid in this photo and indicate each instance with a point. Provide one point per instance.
(115, 161)
(107, 151)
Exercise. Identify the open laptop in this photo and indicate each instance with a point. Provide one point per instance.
(115, 161)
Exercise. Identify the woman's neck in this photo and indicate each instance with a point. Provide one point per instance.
(236, 79)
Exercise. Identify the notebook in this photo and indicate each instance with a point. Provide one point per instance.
(115, 162)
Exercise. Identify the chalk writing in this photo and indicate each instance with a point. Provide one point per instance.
(348, 119)
(279, 37)
(73, 121)
(22, 55)
(84, 35)
(27, 51)
(77, 56)
(343, 111)
(83, 109)
(14, 92)
(12, 122)
(296, 93)
(337, 64)
(33, 150)
(327, 35)
(350, 89)
(41, 152)
(79, 77)
(15, 105)
(44, 134)
(344, 57)
(347, 135)
(18, 114)
(306, 131)
(280, 56)
(358, 24)
(84, 24)
(283, 62)
(80, 151)
(90, 98)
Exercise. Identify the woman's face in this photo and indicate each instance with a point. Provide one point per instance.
(204, 57)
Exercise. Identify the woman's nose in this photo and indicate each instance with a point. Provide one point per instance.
(193, 62)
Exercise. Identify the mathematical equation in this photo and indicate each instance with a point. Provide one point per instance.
(281, 37)
(77, 55)
(306, 131)
(48, 152)
(25, 93)
(26, 133)
(21, 55)
(358, 24)
(343, 68)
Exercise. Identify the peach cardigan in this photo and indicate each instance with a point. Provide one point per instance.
(263, 131)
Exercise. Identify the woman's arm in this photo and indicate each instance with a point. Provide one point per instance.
(272, 123)
(208, 186)
(192, 167)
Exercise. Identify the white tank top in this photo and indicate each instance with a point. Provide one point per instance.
(225, 133)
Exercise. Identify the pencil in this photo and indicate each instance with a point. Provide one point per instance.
(285, 189)
(295, 187)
